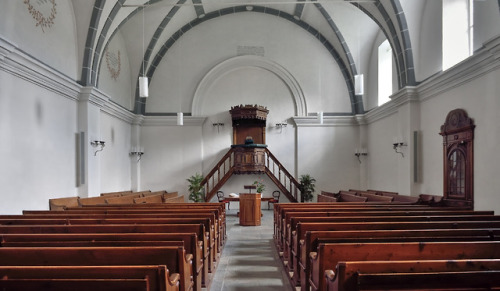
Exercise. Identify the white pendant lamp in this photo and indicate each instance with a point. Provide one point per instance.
(358, 84)
(143, 81)
(143, 87)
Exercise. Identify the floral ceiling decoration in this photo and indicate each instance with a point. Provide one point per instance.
(43, 12)
(114, 64)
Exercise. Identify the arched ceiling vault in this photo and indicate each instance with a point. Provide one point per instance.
(387, 14)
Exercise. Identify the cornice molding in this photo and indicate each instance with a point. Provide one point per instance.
(100, 99)
(93, 96)
(172, 121)
(483, 61)
(493, 46)
(328, 121)
(6, 47)
(404, 96)
(23, 66)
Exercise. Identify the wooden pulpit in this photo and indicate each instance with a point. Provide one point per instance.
(250, 209)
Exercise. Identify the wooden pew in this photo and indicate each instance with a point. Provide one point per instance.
(149, 199)
(217, 208)
(281, 229)
(302, 228)
(329, 255)
(431, 199)
(379, 192)
(158, 277)
(127, 199)
(292, 246)
(325, 198)
(344, 278)
(178, 199)
(210, 250)
(189, 241)
(175, 258)
(116, 194)
(120, 225)
(282, 208)
(314, 238)
(92, 200)
(74, 284)
(460, 280)
(61, 203)
(372, 197)
(346, 197)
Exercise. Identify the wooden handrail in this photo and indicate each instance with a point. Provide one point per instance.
(292, 192)
(223, 170)
(226, 173)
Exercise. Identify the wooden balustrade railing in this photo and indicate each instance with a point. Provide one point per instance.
(219, 175)
(281, 177)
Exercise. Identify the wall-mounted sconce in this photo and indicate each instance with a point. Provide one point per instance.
(218, 124)
(397, 144)
(180, 118)
(137, 151)
(320, 117)
(280, 125)
(360, 152)
(96, 143)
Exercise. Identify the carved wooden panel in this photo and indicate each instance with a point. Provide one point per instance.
(249, 120)
(458, 158)
(249, 160)
(250, 213)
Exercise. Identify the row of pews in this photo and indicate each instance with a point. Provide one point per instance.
(151, 246)
(372, 196)
(384, 245)
(112, 198)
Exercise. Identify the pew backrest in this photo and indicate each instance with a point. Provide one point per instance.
(330, 254)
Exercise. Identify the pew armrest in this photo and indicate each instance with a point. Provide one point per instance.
(313, 256)
(173, 280)
(330, 275)
(188, 258)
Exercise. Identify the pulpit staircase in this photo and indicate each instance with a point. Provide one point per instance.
(225, 168)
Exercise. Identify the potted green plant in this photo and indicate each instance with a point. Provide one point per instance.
(259, 186)
(307, 187)
(195, 188)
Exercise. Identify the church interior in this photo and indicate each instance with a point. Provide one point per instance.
(112, 96)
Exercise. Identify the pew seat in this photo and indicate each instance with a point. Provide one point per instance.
(330, 254)
(174, 258)
(158, 277)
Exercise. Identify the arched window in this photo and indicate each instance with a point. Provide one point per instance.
(457, 31)
(384, 72)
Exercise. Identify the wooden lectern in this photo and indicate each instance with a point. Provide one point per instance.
(250, 209)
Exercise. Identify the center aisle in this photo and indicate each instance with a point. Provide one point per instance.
(249, 259)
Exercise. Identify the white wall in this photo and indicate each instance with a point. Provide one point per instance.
(382, 161)
(116, 59)
(327, 154)
(480, 99)
(115, 160)
(37, 129)
(54, 45)
(298, 52)
(172, 154)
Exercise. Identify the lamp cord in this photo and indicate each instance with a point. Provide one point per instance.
(143, 60)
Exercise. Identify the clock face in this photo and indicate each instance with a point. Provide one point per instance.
(43, 12)
(113, 63)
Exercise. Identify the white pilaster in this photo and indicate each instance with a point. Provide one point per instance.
(91, 102)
